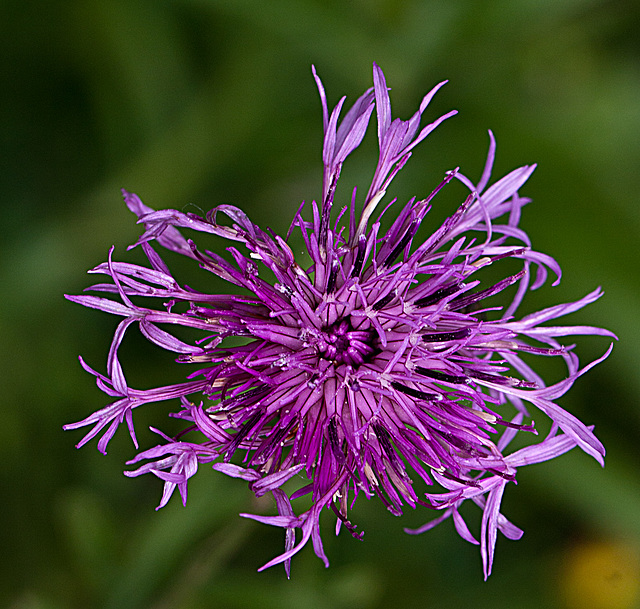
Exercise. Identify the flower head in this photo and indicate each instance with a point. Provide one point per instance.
(380, 367)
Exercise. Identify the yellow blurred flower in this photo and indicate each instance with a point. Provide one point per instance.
(601, 575)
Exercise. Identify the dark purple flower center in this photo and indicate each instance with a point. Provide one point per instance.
(341, 344)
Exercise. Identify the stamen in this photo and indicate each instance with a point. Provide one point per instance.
(509, 477)
(441, 376)
(439, 337)
(331, 283)
(397, 250)
(262, 455)
(437, 296)
(500, 380)
(334, 442)
(414, 393)
(246, 396)
(520, 427)
(357, 265)
(241, 434)
(464, 301)
(383, 302)
(465, 481)
(347, 523)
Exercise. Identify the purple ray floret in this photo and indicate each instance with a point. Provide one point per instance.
(380, 366)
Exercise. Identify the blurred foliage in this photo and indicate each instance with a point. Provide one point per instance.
(195, 102)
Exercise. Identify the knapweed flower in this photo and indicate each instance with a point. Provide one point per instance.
(375, 365)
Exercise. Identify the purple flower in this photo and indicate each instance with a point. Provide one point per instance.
(382, 362)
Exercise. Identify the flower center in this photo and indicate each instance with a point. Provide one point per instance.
(342, 344)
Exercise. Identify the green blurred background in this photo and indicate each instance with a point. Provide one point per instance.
(191, 103)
